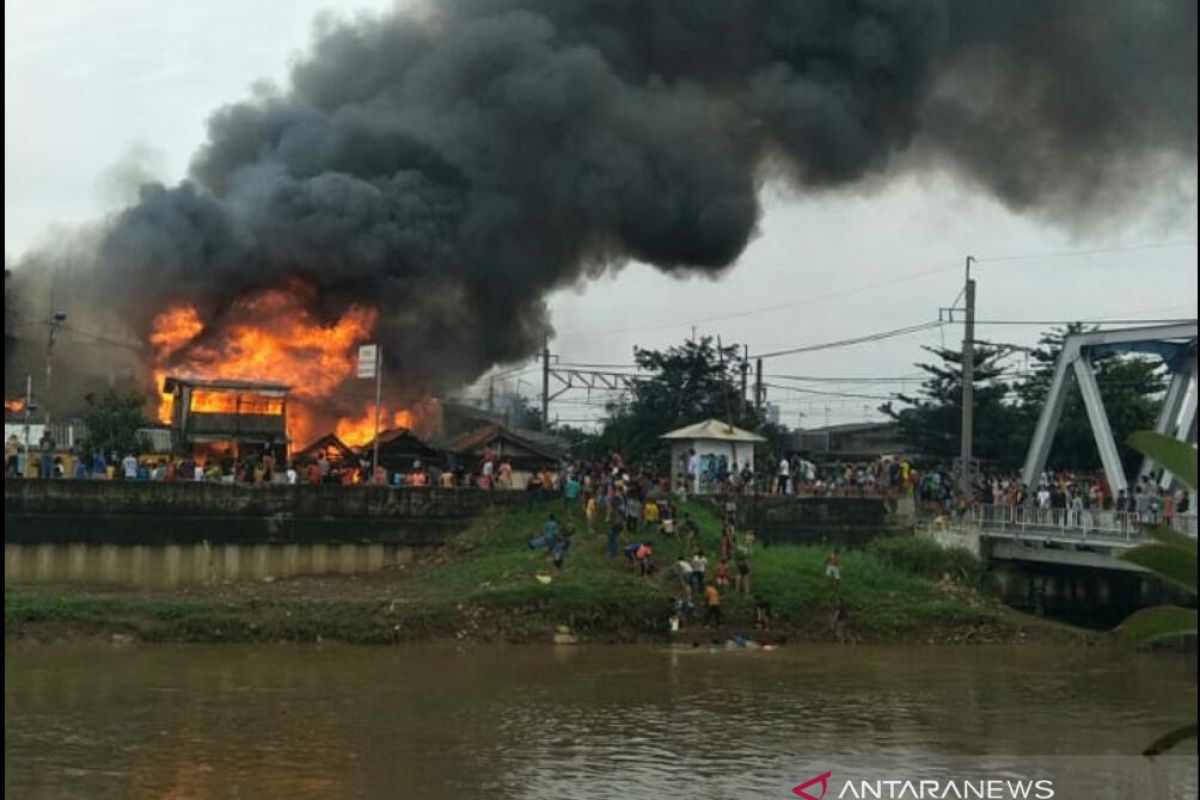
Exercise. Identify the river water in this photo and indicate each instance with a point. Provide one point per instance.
(436, 721)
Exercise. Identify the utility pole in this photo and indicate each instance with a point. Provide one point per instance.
(370, 365)
(545, 383)
(28, 410)
(54, 321)
(491, 395)
(758, 385)
(745, 374)
(378, 405)
(966, 467)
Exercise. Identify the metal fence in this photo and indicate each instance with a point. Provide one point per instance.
(1075, 523)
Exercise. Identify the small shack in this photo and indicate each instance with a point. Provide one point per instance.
(718, 447)
(331, 447)
(528, 453)
(245, 417)
(399, 448)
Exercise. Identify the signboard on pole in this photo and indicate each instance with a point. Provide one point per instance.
(369, 366)
(368, 360)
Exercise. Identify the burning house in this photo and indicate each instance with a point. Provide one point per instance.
(328, 447)
(212, 416)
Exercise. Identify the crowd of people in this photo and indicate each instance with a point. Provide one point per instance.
(256, 466)
(635, 515)
(1082, 498)
(792, 474)
(611, 491)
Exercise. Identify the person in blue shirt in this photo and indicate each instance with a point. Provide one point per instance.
(570, 490)
(562, 545)
(614, 533)
(548, 537)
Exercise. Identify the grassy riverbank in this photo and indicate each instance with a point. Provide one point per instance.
(484, 587)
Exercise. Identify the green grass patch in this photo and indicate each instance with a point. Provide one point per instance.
(484, 585)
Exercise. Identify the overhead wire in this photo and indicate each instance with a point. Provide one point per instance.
(872, 337)
(1091, 252)
(828, 394)
(1043, 322)
(809, 300)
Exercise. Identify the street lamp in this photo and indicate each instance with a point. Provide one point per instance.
(57, 318)
(30, 407)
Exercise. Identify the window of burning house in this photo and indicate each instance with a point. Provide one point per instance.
(217, 402)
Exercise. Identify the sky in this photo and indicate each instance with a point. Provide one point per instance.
(91, 88)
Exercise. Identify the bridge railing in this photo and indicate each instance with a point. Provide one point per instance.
(1072, 523)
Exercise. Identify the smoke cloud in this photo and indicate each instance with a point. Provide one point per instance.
(453, 166)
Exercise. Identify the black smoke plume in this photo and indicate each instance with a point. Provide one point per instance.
(453, 165)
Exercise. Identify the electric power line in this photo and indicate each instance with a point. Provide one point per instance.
(872, 337)
(829, 394)
(1097, 251)
(819, 298)
(1043, 322)
(837, 380)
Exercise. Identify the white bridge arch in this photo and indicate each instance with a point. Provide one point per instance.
(1174, 343)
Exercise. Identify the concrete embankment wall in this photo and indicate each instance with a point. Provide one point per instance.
(167, 534)
(844, 521)
(166, 566)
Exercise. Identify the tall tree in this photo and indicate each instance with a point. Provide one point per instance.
(931, 422)
(697, 380)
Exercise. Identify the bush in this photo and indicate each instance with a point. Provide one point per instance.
(926, 559)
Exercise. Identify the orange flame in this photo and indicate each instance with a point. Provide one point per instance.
(216, 402)
(270, 336)
(15, 406)
(174, 328)
(361, 431)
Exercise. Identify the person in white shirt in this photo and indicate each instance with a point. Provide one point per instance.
(292, 475)
(699, 567)
(693, 470)
(129, 466)
(784, 471)
(685, 576)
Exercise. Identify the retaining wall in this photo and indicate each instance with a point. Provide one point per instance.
(802, 519)
(121, 512)
(166, 534)
(169, 565)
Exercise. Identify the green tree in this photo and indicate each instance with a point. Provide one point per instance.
(697, 380)
(112, 420)
(1172, 557)
(1129, 385)
(931, 422)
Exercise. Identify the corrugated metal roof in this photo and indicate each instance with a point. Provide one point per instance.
(714, 429)
(478, 438)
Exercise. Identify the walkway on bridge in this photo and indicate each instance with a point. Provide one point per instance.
(1052, 535)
